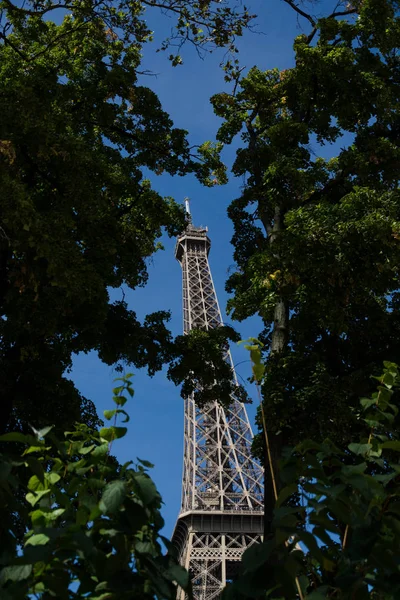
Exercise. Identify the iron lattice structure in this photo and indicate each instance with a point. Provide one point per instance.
(222, 492)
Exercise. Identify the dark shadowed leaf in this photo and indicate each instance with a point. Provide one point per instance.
(113, 497)
(15, 573)
(147, 490)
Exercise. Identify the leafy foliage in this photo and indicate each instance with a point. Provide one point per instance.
(344, 535)
(78, 136)
(93, 526)
(316, 226)
(206, 25)
(200, 364)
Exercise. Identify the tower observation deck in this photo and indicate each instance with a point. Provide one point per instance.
(222, 489)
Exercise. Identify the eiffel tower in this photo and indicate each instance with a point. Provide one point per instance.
(222, 490)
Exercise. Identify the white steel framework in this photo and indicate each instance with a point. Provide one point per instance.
(222, 491)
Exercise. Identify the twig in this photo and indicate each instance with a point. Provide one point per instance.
(301, 12)
(8, 43)
(345, 537)
(313, 21)
(271, 467)
(33, 13)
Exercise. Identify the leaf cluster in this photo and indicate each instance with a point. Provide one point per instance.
(93, 526)
(201, 365)
(78, 137)
(205, 25)
(315, 226)
(341, 541)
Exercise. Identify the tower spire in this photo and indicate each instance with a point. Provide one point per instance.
(222, 489)
(187, 206)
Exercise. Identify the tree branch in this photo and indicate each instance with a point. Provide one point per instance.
(301, 12)
(343, 13)
(33, 13)
(57, 38)
(8, 43)
(313, 21)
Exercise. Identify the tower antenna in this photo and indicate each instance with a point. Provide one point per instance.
(187, 206)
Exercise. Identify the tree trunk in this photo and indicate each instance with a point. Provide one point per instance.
(278, 345)
(279, 333)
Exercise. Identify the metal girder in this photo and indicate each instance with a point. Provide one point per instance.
(222, 490)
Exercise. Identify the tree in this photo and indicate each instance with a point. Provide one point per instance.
(341, 541)
(317, 237)
(78, 216)
(92, 525)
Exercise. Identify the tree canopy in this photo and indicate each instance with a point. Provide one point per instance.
(340, 538)
(317, 223)
(78, 136)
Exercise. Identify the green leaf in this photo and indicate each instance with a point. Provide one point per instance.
(82, 515)
(123, 412)
(52, 477)
(286, 493)
(320, 533)
(179, 574)
(309, 540)
(257, 555)
(350, 470)
(361, 449)
(43, 517)
(119, 432)
(109, 413)
(135, 514)
(372, 422)
(113, 496)
(385, 395)
(321, 519)
(142, 547)
(120, 400)
(341, 511)
(94, 513)
(112, 433)
(39, 588)
(367, 402)
(34, 497)
(39, 539)
(145, 463)
(258, 372)
(88, 449)
(15, 573)
(389, 380)
(32, 449)
(35, 484)
(390, 366)
(147, 490)
(109, 532)
(101, 450)
(43, 432)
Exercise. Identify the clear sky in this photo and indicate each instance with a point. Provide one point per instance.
(156, 426)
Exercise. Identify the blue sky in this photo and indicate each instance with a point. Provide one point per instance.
(156, 426)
